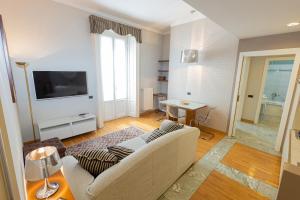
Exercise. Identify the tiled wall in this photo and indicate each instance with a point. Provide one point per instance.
(278, 78)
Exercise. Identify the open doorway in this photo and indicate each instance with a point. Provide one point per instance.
(266, 83)
(275, 86)
(263, 94)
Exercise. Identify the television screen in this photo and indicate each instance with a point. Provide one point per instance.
(52, 84)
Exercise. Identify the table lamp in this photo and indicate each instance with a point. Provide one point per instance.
(41, 164)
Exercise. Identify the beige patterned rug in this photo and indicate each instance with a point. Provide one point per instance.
(106, 140)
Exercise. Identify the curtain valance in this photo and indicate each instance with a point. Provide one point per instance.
(99, 25)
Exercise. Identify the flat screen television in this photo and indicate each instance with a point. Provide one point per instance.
(54, 84)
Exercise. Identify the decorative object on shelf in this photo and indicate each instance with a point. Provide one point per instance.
(24, 66)
(41, 164)
(163, 70)
(190, 56)
(162, 78)
(160, 94)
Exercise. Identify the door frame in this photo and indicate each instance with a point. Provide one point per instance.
(264, 79)
(287, 105)
(243, 87)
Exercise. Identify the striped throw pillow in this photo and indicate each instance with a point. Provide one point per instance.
(170, 126)
(156, 134)
(120, 152)
(96, 161)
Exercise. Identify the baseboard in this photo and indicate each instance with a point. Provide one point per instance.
(148, 111)
(211, 130)
(247, 121)
(31, 141)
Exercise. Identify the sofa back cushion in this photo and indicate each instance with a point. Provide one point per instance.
(155, 134)
(96, 161)
(170, 126)
(119, 151)
(150, 170)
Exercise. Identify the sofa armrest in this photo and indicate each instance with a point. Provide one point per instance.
(78, 178)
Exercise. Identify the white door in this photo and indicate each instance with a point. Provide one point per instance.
(114, 67)
(242, 88)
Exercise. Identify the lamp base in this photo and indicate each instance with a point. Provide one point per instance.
(47, 190)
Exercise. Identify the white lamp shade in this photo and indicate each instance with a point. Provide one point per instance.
(42, 163)
(189, 56)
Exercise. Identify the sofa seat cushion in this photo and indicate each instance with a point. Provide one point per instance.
(78, 178)
(134, 143)
(119, 151)
(96, 161)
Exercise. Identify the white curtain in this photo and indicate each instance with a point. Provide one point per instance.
(133, 78)
(100, 103)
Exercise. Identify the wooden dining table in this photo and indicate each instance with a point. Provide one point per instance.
(190, 108)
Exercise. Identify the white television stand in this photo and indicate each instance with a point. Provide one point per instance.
(67, 127)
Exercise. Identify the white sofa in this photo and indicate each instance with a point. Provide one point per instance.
(144, 175)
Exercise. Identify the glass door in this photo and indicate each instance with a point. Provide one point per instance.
(114, 70)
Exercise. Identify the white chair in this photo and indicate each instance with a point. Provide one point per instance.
(202, 116)
(174, 113)
(162, 108)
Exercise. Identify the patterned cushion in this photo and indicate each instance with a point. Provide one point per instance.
(120, 152)
(96, 161)
(155, 134)
(170, 126)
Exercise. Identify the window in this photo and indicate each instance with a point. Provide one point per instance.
(107, 68)
(120, 69)
(114, 68)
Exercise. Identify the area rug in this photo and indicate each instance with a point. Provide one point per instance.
(106, 140)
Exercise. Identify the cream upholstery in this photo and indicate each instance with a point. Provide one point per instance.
(146, 174)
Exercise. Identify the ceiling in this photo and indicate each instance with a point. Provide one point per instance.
(251, 18)
(156, 15)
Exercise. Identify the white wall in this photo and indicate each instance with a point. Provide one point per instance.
(53, 36)
(166, 47)
(50, 36)
(11, 133)
(211, 80)
(151, 51)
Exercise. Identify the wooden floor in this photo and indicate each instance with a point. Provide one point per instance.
(147, 122)
(255, 163)
(219, 187)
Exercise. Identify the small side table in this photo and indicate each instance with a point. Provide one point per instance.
(50, 142)
(63, 192)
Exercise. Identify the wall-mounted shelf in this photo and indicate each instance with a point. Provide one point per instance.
(163, 76)
(160, 95)
(163, 70)
(163, 61)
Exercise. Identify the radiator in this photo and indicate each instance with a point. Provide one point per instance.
(147, 99)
